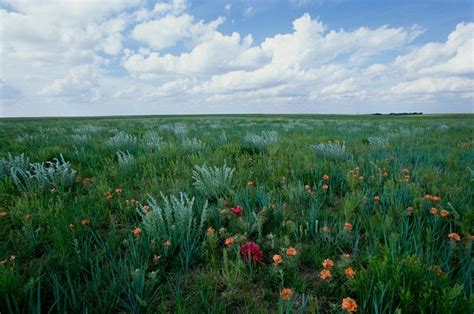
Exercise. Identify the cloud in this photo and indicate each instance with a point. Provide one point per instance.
(80, 84)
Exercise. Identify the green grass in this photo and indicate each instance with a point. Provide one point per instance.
(53, 261)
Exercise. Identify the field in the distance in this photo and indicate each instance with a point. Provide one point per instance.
(277, 213)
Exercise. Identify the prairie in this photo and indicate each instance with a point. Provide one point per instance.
(314, 214)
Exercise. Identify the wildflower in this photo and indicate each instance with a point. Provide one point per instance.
(226, 204)
(325, 186)
(327, 263)
(86, 222)
(307, 187)
(156, 258)
(436, 199)
(434, 211)
(3, 213)
(146, 208)
(237, 210)
(229, 241)
(376, 198)
(349, 305)
(361, 178)
(454, 236)
(286, 293)
(210, 231)
(405, 171)
(356, 169)
(349, 272)
(108, 195)
(325, 177)
(71, 226)
(118, 190)
(409, 211)
(86, 181)
(251, 250)
(439, 272)
(167, 243)
(444, 213)
(291, 251)
(406, 178)
(53, 190)
(326, 229)
(137, 232)
(348, 226)
(250, 184)
(277, 259)
(325, 274)
(346, 256)
(12, 258)
(428, 197)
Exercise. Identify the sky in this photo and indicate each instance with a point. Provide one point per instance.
(138, 57)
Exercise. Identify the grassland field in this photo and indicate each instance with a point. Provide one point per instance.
(248, 214)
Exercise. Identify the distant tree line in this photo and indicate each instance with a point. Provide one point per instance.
(397, 114)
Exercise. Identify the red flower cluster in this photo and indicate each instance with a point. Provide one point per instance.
(251, 250)
(237, 210)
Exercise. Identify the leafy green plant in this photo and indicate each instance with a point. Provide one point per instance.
(213, 181)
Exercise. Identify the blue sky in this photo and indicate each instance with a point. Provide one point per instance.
(183, 57)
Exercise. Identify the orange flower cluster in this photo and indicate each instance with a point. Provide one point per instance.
(434, 211)
(349, 272)
(348, 226)
(444, 213)
(349, 305)
(277, 259)
(325, 274)
(137, 231)
(327, 263)
(454, 236)
(229, 241)
(86, 222)
(432, 198)
(286, 293)
(325, 177)
(291, 251)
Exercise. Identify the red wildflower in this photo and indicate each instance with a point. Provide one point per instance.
(252, 251)
(237, 210)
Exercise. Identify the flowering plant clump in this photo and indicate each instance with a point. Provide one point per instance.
(237, 210)
(251, 251)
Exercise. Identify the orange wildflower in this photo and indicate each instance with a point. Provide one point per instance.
(428, 197)
(146, 208)
(454, 236)
(349, 272)
(349, 305)
(137, 232)
(327, 263)
(325, 274)
(229, 241)
(118, 190)
(86, 222)
(325, 177)
(376, 198)
(286, 293)
(326, 229)
(405, 171)
(210, 231)
(444, 213)
(434, 211)
(277, 259)
(325, 186)
(348, 226)
(436, 199)
(291, 251)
